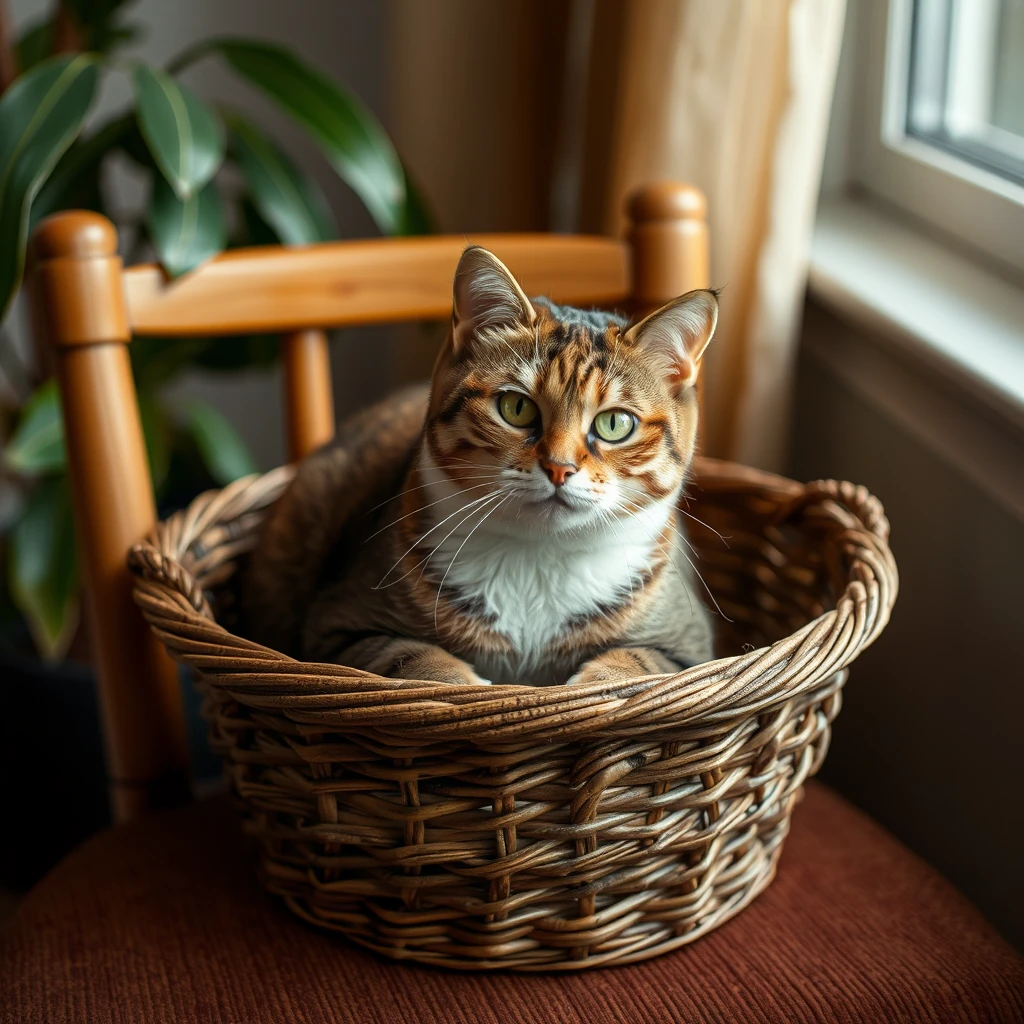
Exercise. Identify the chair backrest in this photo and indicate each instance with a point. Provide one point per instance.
(89, 307)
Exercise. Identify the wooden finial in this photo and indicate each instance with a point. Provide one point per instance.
(75, 255)
(78, 233)
(669, 240)
(667, 200)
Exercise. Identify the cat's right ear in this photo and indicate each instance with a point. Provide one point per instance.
(487, 298)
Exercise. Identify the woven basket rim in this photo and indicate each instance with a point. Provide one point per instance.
(172, 567)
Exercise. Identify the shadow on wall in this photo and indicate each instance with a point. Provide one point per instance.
(928, 741)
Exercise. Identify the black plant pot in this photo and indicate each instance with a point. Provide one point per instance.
(52, 778)
(53, 788)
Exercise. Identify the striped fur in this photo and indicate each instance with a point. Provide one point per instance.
(435, 540)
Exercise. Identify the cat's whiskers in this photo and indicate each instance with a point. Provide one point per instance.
(499, 472)
(451, 460)
(663, 549)
(610, 519)
(714, 600)
(707, 526)
(682, 533)
(415, 511)
(455, 529)
(692, 566)
(419, 487)
(689, 515)
(470, 504)
(440, 587)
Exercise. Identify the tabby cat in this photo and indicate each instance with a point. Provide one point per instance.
(519, 523)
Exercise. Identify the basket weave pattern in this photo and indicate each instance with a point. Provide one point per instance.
(537, 828)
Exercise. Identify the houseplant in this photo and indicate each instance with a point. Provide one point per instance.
(182, 143)
(53, 157)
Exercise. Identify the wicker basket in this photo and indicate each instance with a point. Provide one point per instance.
(537, 828)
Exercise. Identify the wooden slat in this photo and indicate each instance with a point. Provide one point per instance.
(361, 282)
(308, 396)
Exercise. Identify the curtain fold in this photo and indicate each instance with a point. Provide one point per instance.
(730, 95)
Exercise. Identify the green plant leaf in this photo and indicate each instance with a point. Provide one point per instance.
(43, 567)
(75, 181)
(253, 229)
(134, 146)
(185, 234)
(285, 196)
(109, 38)
(349, 135)
(97, 24)
(418, 219)
(91, 12)
(157, 360)
(222, 449)
(156, 430)
(17, 375)
(183, 134)
(34, 45)
(40, 116)
(37, 444)
(241, 352)
(251, 352)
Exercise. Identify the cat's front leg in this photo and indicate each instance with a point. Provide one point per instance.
(620, 663)
(404, 658)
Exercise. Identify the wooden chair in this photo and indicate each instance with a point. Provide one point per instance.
(160, 916)
(91, 308)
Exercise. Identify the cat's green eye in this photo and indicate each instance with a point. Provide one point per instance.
(517, 409)
(614, 425)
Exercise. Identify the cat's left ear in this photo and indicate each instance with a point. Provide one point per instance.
(676, 335)
(486, 297)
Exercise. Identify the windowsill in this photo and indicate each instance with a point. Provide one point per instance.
(926, 337)
(963, 321)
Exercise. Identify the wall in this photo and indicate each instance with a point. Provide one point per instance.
(929, 738)
(348, 41)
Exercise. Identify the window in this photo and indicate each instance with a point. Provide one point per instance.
(966, 88)
(943, 125)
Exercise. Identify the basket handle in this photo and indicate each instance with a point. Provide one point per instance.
(161, 558)
(147, 562)
(855, 499)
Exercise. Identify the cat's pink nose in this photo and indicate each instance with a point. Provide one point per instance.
(558, 472)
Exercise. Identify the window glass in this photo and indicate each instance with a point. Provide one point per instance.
(966, 81)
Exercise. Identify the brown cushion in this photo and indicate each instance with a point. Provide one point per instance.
(162, 920)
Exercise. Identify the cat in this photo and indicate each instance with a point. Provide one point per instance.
(517, 523)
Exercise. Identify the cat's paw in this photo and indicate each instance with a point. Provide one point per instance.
(461, 675)
(622, 664)
(596, 672)
(462, 678)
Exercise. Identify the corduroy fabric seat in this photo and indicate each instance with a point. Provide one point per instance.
(162, 920)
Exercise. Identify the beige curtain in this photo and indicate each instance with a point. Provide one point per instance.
(527, 115)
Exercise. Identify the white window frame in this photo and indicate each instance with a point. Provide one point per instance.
(973, 205)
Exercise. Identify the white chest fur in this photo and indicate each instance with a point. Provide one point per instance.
(533, 586)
